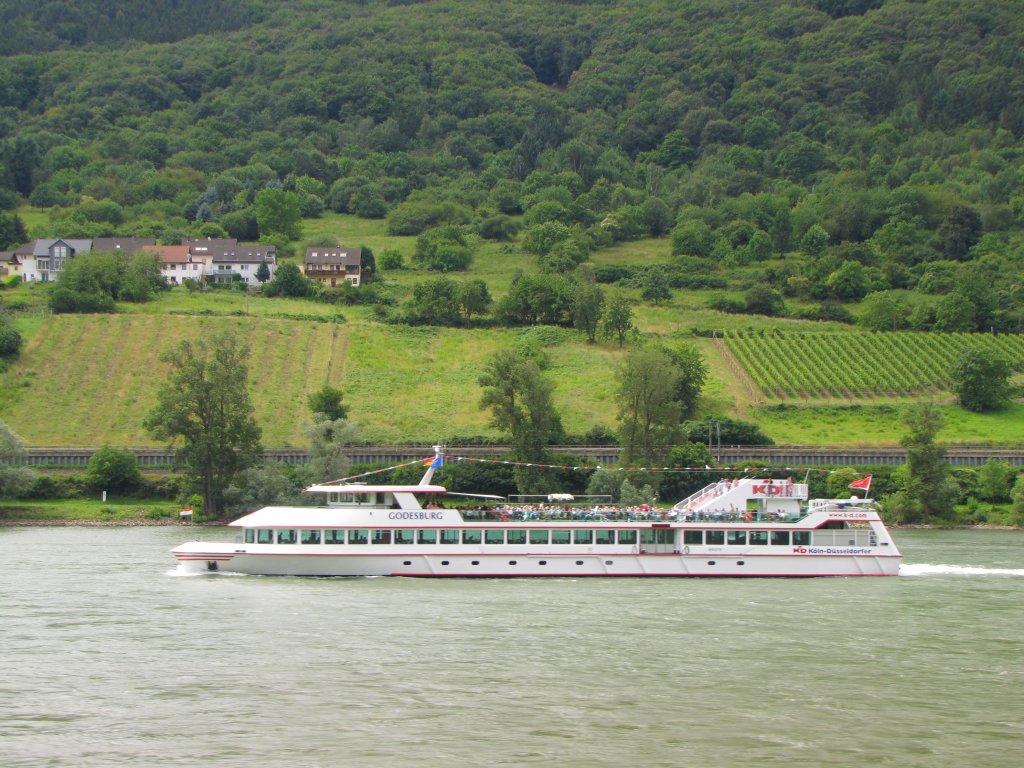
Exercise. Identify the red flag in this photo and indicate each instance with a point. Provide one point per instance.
(864, 483)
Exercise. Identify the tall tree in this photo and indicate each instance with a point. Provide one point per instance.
(961, 229)
(814, 241)
(693, 372)
(205, 403)
(263, 271)
(1017, 499)
(328, 443)
(587, 306)
(926, 490)
(14, 480)
(326, 404)
(113, 469)
(12, 231)
(649, 413)
(329, 435)
(473, 298)
(981, 380)
(654, 286)
(519, 397)
(994, 480)
(278, 213)
(617, 320)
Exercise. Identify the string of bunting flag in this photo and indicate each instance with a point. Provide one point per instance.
(705, 468)
(375, 472)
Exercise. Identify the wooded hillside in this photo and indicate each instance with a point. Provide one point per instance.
(819, 160)
(741, 125)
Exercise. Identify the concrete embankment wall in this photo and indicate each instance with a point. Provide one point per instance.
(787, 456)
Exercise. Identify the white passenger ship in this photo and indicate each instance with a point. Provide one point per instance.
(743, 527)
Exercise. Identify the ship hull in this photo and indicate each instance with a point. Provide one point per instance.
(517, 565)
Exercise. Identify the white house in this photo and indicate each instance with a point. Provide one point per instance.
(225, 258)
(44, 260)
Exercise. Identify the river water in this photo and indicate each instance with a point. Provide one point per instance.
(109, 659)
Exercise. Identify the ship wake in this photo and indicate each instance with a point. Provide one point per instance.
(927, 569)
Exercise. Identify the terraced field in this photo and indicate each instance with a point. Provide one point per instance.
(802, 366)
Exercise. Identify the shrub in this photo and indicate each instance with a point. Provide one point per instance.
(113, 469)
(53, 487)
(162, 486)
(10, 338)
(64, 300)
(392, 259)
(828, 310)
(443, 249)
(981, 380)
(613, 273)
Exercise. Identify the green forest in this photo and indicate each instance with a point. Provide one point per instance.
(876, 143)
(827, 161)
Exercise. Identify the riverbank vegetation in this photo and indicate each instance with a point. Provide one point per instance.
(144, 511)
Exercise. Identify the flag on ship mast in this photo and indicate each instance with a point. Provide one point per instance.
(864, 484)
(434, 461)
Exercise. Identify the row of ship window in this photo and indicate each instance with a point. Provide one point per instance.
(520, 536)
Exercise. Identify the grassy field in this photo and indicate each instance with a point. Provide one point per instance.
(872, 425)
(89, 380)
(84, 380)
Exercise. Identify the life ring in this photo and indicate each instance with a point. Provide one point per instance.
(748, 516)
